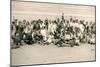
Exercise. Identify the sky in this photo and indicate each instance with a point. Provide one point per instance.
(34, 10)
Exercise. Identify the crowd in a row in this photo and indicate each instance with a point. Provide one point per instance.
(60, 32)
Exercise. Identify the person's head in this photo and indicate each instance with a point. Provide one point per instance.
(15, 20)
(46, 20)
(76, 20)
(90, 22)
(24, 20)
(58, 20)
(86, 22)
(44, 27)
(19, 23)
(49, 21)
(51, 33)
(67, 21)
(71, 19)
(17, 34)
(27, 23)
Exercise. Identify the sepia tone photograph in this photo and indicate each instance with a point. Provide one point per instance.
(52, 33)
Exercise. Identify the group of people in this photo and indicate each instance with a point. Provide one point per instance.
(60, 32)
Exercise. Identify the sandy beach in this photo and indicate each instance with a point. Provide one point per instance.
(38, 54)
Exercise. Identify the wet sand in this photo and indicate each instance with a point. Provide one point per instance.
(38, 54)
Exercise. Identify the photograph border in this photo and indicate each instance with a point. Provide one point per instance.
(48, 3)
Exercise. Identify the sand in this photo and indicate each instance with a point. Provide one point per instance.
(38, 54)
